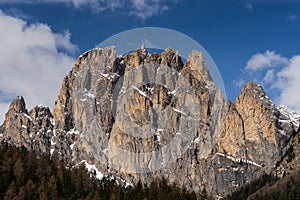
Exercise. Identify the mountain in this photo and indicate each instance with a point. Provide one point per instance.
(141, 116)
(282, 183)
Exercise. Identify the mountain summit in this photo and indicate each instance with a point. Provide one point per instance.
(142, 115)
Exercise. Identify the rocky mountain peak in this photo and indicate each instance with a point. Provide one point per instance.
(165, 117)
(168, 57)
(135, 58)
(17, 109)
(253, 92)
(32, 129)
(198, 66)
(171, 58)
(18, 105)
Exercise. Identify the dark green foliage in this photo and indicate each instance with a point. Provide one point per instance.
(267, 187)
(251, 188)
(26, 175)
(160, 190)
(287, 188)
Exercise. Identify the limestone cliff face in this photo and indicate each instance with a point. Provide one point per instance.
(253, 129)
(144, 115)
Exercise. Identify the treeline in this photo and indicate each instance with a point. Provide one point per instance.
(27, 175)
(269, 188)
(247, 190)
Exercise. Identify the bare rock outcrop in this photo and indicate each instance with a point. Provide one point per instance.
(142, 115)
(32, 130)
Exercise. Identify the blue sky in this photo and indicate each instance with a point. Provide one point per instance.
(248, 40)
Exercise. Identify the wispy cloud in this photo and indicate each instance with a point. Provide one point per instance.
(17, 13)
(96, 6)
(34, 60)
(142, 9)
(249, 5)
(279, 76)
(269, 76)
(292, 18)
(148, 8)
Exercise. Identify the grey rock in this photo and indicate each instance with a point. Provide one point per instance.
(145, 115)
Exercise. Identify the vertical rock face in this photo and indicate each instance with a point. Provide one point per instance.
(252, 129)
(83, 112)
(259, 118)
(145, 115)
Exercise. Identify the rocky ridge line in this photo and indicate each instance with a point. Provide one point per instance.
(108, 108)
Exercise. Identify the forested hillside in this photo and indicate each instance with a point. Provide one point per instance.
(26, 175)
(270, 188)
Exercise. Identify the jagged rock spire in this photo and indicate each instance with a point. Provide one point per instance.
(138, 105)
(198, 65)
(18, 105)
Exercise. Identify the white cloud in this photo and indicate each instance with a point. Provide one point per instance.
(34, 61)
(3, 109)
(288, 83)
(269, 59)
(280, 76)
(142, 9)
